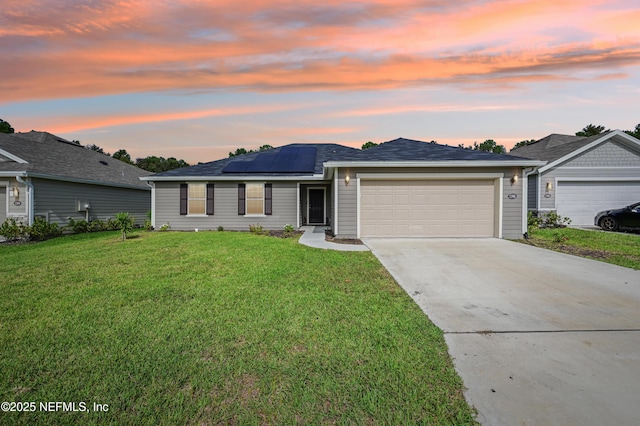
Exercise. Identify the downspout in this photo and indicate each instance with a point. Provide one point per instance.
(29, 197)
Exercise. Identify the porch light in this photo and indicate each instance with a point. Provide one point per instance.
(514, 178)
(15, 192)
(346, 180)
(549, 186)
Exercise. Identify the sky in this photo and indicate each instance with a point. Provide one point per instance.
(197, 79)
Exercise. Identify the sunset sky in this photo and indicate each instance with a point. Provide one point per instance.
(197, 79)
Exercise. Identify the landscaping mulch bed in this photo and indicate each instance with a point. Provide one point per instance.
(332, 239)
(576, 251)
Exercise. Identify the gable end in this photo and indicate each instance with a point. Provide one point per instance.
(609, 154)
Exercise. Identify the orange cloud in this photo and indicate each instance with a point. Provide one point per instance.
(59, 50)
(76, 123)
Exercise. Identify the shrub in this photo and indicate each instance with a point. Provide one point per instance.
(554, 220)
(13, 231)
(42, 230)
(256, 229)
(147, 225)
(165, 227)
(288, 228)
(533, 221)
(220, 228)
(78, 226)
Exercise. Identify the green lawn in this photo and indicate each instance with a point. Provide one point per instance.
(216, 328)
(612, 247)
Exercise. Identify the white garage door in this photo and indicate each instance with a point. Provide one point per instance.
(427, 208)
(580, 201)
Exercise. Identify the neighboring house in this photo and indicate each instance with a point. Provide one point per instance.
(583, 175)
(402, 188)
(47, 176)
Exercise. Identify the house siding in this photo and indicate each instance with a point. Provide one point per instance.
(167, 208)
(9, 206)
(347, 205)
(511, 207)
(609, 154)
(532, 192)
(56, 201)
(3, 203)
(609, 160)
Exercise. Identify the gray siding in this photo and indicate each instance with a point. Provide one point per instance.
(532, 192)
(609, 160)
(167, 208)
(511, 207)
(347, 220)
(56, 200)
(609, 154)
(3, 203)
(8, 207)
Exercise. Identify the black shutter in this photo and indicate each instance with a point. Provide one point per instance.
(184, 196)
(209, 199)
(267, 199)
(241, 198)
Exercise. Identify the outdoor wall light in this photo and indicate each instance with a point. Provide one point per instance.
(346, 180)
(549, 186)
(514, 178)
(15, 192)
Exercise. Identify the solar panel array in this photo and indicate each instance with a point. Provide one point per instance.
(289, 159)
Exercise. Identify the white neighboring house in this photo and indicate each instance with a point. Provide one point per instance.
(583, 175)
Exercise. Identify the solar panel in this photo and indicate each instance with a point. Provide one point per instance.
(289, 159)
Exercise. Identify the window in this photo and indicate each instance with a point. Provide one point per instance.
(196, 198)
(255, 198)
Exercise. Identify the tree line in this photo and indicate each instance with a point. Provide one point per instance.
(160, 164)
(151, 163)
(490, 145)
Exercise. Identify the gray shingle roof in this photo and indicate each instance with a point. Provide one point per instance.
(49, 155)
(555, 146)
(411, 150)
(324, 152)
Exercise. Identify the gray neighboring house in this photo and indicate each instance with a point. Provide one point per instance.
(401, 188)
(583, 175)
(47, 176)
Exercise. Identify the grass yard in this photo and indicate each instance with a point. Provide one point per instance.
(216, 328)
(612, 247)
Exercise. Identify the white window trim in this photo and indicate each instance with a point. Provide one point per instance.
(246, 199)
(189, 214)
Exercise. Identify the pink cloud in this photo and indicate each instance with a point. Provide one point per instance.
(63, 49)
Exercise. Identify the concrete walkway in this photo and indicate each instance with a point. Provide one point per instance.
(314, 237)
(538, 337)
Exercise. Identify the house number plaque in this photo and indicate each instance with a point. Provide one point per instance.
(512, 196)
(17, 203)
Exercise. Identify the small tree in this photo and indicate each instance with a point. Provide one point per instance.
(5, 127)
(124, 222)
(369, 144)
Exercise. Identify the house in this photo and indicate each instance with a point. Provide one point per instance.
(583, 175)
(47, 176)
(401, 188)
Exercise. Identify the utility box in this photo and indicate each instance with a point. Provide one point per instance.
(82, 206)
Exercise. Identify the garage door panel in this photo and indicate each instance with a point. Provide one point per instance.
(580, 201)
(432, 208)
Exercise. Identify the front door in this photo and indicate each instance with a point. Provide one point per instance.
(316, 205)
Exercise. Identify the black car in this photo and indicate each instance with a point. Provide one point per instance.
(624, 218)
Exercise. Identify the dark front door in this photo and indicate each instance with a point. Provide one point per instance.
(316, 205)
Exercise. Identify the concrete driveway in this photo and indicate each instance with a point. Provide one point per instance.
(538, 337)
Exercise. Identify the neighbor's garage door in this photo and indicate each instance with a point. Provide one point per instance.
(580, 201)
(427, 208)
